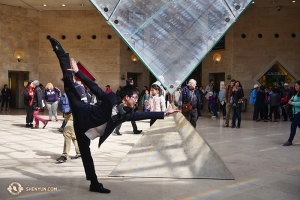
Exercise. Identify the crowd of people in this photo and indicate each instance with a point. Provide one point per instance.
(89, 112)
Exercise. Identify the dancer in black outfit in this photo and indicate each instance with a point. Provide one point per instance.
(89, 118)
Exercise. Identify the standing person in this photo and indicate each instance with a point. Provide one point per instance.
(274, 104)
(208, 90)
(81, 91)
(252, 98)
(260, 103)
(201, 97)
(237, 103)
(28, 100)
(222, 100)
(5, 95)
(51, 97)
(37, 104)
(68, 131)
(130, 81)
(284, 100)
(190, 95)
(145, 98)
(295, 101)
(215, 96)
(156, 101)
(143, 91)
(90, 120)
(228, 92)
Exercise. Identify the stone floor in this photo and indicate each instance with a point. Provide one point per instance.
(261, 166)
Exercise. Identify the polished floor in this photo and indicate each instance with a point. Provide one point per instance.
(261, 166)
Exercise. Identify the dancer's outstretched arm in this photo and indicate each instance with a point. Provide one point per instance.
(95, 89)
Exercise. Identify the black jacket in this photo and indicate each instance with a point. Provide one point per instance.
(27, 97)
(5, 93)
(37, 99)
(92, 116)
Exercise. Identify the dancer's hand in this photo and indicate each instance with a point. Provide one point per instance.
(74, 67)
(170, 110)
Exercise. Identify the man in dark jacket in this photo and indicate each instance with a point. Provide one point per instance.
(5, 95)
(102, 119)
(190, 94)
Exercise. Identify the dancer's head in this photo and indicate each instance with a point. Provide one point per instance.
(129, 95)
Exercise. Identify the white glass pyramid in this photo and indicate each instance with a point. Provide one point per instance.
(171, 37)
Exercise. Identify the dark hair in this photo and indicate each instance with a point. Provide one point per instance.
(156, 87)
(262, 87)
(128, 90)
(294, 90)
(128, 81)
(280, 84)
(211, 80)
(240, 85)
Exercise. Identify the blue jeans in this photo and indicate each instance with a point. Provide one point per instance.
(294, 124)
(236, 113)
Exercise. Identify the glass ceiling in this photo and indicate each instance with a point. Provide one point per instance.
(171, 37)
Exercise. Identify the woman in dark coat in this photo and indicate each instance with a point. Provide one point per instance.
(260, 104)
(237, 102)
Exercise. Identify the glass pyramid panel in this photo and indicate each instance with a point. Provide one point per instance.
(171, 37)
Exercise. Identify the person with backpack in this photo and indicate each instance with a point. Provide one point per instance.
(68, 130)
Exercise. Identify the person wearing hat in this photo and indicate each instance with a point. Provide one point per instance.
(252, 98)
(108, 90)
(284, 100)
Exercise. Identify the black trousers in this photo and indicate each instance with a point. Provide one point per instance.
(29, 114)
(75, 104)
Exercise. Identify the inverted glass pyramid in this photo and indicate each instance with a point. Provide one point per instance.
(171, 37)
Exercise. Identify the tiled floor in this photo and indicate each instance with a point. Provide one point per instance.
(262, 167)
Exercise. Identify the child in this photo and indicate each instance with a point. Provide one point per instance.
(156, 101)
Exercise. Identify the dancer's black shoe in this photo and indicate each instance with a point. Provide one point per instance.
(99, 188)
(57, 48)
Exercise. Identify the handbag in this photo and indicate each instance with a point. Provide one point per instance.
(187, 107)
(289, 111)
(283, 100)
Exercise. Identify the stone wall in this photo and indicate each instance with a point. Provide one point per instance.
(19, 29)
(246, 58)
(27, 29)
